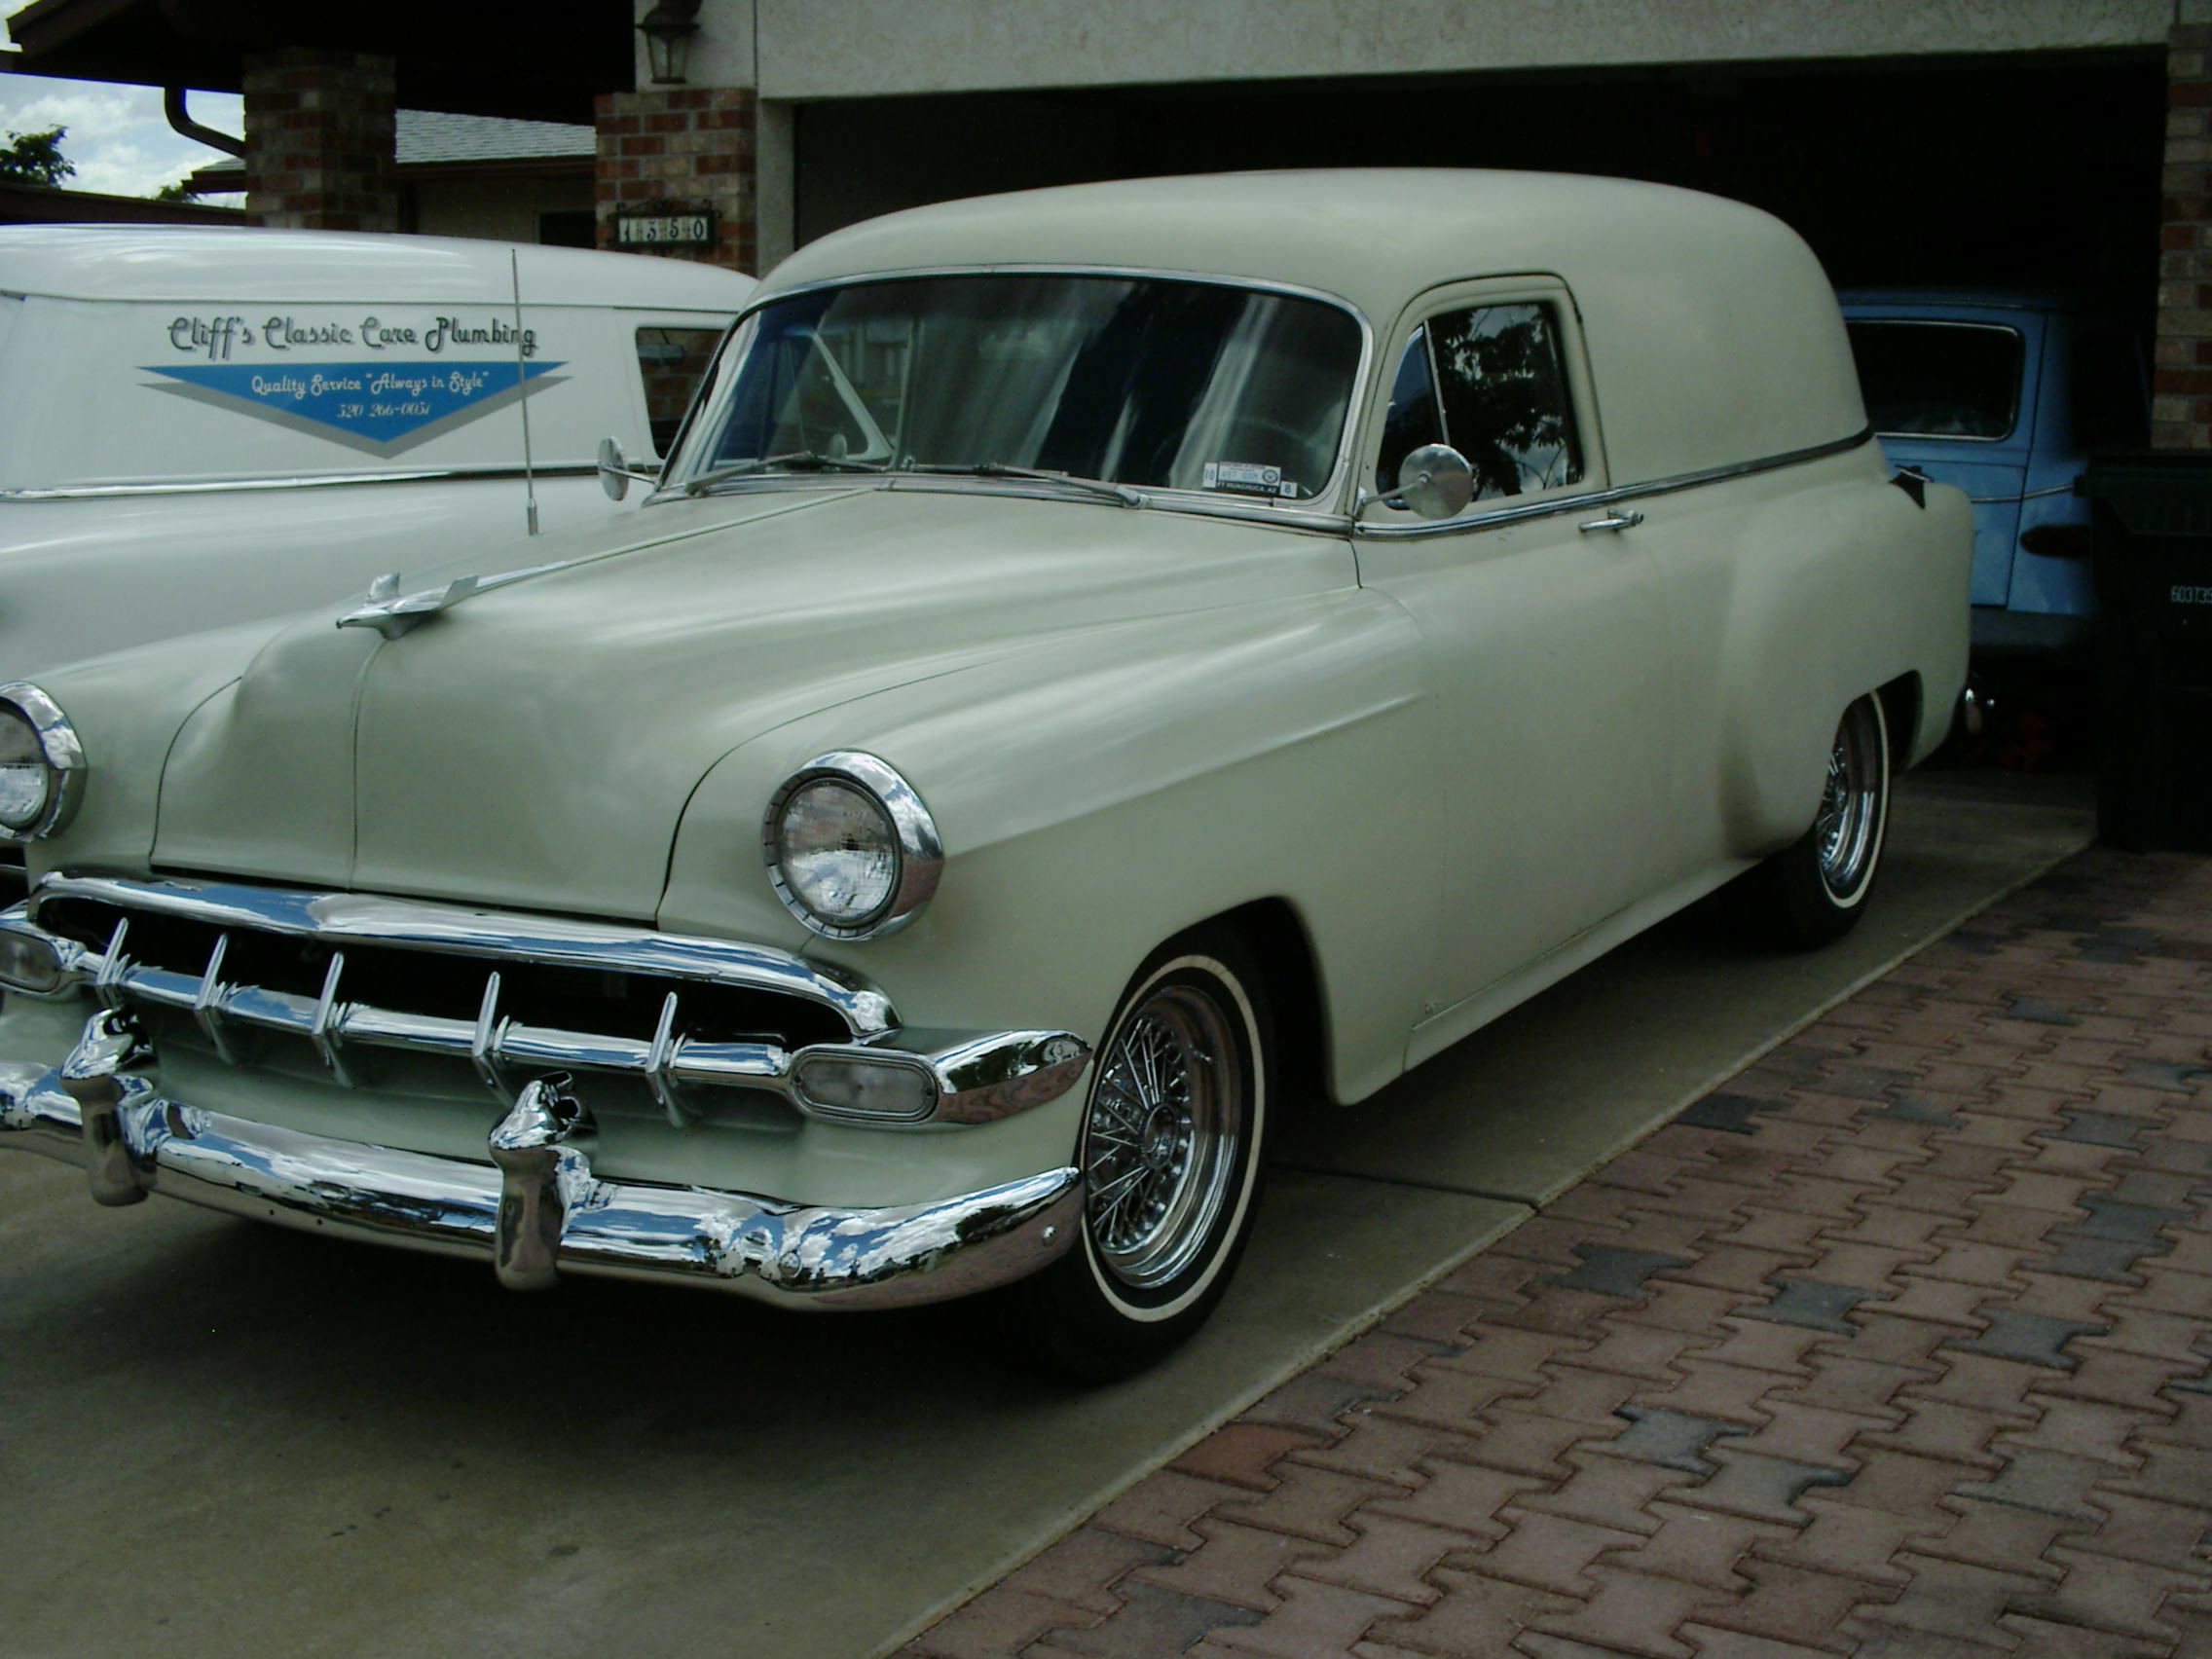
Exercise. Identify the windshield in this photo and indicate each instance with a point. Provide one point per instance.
(1146, 381)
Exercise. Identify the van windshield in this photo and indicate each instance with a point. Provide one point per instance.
(1145, 381)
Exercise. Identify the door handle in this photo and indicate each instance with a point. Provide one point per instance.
(1616, 518)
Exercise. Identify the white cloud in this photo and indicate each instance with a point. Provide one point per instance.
(118, 138)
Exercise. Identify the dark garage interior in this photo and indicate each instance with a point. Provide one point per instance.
(2010, 171)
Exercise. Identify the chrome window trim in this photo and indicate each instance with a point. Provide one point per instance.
(1196, 504)
(2012, 424)
(1551, 505)
(230, 486)
(921, 851)
(60, 751)
(1181, 501)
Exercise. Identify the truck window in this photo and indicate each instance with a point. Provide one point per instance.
(1939, 380)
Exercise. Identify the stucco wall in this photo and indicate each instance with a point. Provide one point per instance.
(722, 50)
(504, 209)
(838, 49)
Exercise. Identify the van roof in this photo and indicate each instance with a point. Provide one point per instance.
(226, 265)
(1711, 328)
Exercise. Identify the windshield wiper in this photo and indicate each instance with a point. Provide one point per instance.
(1122, 493)
(797, 461)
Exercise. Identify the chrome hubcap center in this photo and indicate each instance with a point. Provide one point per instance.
(1160, 1135)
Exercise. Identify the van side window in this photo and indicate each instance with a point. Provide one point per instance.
(1412, 419)
(672, 360)
(1490, 382)
(1504, 394)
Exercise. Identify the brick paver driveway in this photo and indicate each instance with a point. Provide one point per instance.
(1895, 1344)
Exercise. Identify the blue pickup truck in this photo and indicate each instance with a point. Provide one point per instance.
(2005, 395)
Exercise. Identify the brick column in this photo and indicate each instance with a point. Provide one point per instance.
(681, 147)
(318, 140)
(2181, 407)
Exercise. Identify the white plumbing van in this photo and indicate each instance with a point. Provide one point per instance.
(201, 427)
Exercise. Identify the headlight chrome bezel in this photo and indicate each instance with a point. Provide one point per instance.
(919, 851)
(61, 754)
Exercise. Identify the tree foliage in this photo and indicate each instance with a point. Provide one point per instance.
(1505, 398)
(35, 158)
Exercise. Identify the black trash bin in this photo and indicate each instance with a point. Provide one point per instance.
(2152, 513)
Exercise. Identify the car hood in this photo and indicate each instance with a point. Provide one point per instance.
(533, 745)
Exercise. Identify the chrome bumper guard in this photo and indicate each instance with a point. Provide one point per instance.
(538, 1211)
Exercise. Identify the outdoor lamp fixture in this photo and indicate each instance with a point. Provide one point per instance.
(667, 29)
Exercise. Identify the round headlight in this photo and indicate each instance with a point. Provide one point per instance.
(851, 849)
(42, 764)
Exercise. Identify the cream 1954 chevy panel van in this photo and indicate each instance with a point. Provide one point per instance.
(1097, 659)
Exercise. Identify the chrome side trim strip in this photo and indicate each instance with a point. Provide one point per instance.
(765, 1248)
(1582, 501)
(336, 480)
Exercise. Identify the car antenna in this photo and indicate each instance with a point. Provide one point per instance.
(522, 395)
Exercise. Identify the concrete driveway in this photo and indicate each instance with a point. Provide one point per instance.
(223, 1439)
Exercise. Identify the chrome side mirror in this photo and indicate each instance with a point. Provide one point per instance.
(1435, 482)
(616, 471)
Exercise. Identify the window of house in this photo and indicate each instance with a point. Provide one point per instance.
(563, 226)
(1489, 380)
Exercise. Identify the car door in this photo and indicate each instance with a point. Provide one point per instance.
(1543, 625)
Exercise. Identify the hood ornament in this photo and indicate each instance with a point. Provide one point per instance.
(392, 613)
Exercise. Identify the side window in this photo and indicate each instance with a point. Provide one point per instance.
(1503, 389)
(1412, 419)
(1939, 380)
(672, 360)
(1490, 382)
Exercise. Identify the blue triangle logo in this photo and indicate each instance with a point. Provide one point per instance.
(382, 402)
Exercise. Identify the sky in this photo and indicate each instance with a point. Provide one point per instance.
(117, 137)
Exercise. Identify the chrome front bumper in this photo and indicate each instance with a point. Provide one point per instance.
(537, 1210)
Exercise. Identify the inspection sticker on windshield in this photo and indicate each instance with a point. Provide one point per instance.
(1244, 478)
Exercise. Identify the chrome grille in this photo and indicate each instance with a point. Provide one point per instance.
(502, 993)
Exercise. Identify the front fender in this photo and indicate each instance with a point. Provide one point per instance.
(1101, 794)
(128, 708)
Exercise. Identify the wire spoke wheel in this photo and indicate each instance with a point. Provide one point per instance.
(1812, 892)
(1847, 827)
(1162, 1142)
(1169, 1144)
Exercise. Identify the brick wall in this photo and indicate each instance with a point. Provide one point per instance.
(2181, 409)
(318, 140)
(693, 145)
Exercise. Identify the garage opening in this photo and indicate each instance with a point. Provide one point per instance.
(2012, 172)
